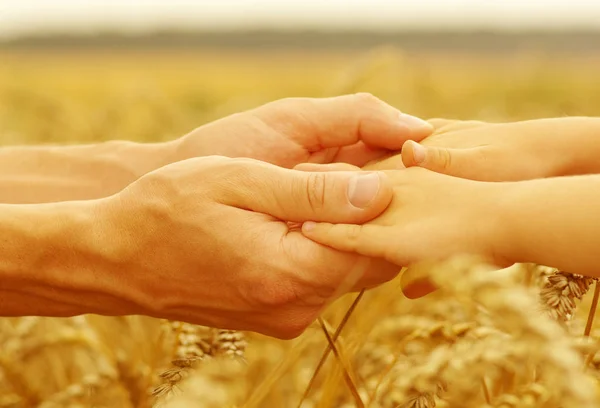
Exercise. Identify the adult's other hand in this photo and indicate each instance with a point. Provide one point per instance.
(194, 243)
(351, 129)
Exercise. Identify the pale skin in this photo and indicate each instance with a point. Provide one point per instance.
(198, 229)
(533, 215)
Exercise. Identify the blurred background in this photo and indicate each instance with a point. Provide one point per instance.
(152, 70)
(93, 70)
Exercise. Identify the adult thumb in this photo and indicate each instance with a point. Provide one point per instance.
(454, 162)
(294, 195)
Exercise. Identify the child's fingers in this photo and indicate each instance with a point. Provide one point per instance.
(416, 284)
(367, 240)
(454, 162)
(484, 163)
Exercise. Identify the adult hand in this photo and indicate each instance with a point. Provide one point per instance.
(205, 243)
(504, 151)
(353, 129)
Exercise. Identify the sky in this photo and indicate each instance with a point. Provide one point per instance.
(19, 17)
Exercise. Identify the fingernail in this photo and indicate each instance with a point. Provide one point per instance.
(308, 226)
(363, 189)
(413, 122)
(419, 153)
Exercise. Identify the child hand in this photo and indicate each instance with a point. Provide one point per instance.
(431, 217)
(504, 151)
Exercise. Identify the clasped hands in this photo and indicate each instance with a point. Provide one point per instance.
(209, 239)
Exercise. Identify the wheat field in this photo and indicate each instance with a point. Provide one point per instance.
(518, 337)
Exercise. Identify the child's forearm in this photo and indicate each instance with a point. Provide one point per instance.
(554, 222)
(576, 143)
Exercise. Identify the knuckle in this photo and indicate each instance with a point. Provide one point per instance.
(239, 170)
(161, 191)
(156, 301)
(213, 166)
(281, 300)
(482, 155)
(210, 165)
(291, 325)
(280, 106)
(353, 233)
(239, 164)
(444, 159)
(367, 98)
(316, 190)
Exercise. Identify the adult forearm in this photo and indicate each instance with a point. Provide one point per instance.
(41, 174)
(553, 222)
(56, 260)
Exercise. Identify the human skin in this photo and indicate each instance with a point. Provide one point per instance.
(215, 253)
(510, 151)
(352, 129)
(432, 216)
(204, 240)
(540, 218)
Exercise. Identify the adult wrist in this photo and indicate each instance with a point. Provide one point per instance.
(142, 158)
(196, 143)
(60, 258)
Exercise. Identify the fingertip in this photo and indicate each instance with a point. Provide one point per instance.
(319, 232)
(419, 128)
(308, 226)
(407, 153)
(392, 131)
(415, 281)
(418, 288)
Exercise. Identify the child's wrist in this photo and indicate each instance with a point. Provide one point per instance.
(509, 231)
(577, 147)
